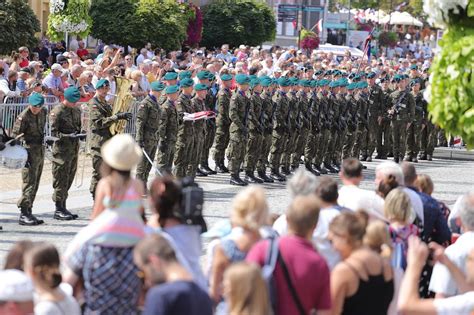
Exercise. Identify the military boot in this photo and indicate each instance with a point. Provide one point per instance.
(235, 180)
(429, 157)
(220, 168)
(208, 170)
(423, 157)
(61, 213)
(408, 158)
(321, 170)
(330, 168)
(251, 179)
(311, 169)
(368, 159)
(275, 175)
(264, 177)
(75, 216)
(285, 171)
(200, 172)
(27, 217)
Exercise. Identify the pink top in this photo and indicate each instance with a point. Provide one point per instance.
(308, 271)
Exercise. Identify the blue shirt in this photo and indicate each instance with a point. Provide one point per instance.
(177, 298)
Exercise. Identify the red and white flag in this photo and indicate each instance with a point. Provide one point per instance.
(318, 27)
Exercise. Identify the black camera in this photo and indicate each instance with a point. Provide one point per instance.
(192, 201)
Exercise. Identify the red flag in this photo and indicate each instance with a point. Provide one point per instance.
(318, 26)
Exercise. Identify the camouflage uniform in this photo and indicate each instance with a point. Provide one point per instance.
(238, 112)
(148, 118)
(210, 130)
(198, 137)
(64, 120)
(314, 120)
(293, 131)
(280, 130)
(384, 140)
(362, 124)
(255, 133)
(414, 131)
(222, 125)
(32, 128)
(267, 124)
(326, 124)
(351, 131)
(374, 100)
(404, 107)
(100, 120)
(184, 140)
(428, 134)
(304, 128)
(333, 118)
(342, 127)
(168, 129)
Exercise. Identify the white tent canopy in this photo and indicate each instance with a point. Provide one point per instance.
(339, 50)
(401, 18)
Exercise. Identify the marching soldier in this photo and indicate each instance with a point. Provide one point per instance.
(342, 121)
(238, 112)
(383, 136)
(351, 120)
(314, 132)
(401, 113)
(30, 124)
(293, 127)
(65, 120)
(375, 100)
(148, 118)
(333, 112)
(325, 136)
(222, 122)
(280, 128)
(255, 133)
(428, 134)
(168, 129)
(362, 117)
(302, 122)
(184, 141)
(266, 121)
(414, 131)
(198, 105)
(100, 120)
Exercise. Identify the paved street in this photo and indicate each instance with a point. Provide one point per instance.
(451, 178)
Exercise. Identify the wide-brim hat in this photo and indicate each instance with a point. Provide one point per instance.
(121, 152)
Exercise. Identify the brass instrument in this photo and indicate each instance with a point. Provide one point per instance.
(122, 103)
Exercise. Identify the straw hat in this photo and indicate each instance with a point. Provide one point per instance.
(121, 152)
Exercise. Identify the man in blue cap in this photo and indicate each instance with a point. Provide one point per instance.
(184, 140)
(280, 128)
(168, 129)
(222, 122)
(65, 122)
(239, 116)
(29, 126)
(100, 120)
(148, 122)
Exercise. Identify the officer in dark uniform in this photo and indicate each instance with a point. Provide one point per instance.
(66, 125)
(31, 124)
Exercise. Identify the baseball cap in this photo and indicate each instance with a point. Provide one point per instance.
(15, 286)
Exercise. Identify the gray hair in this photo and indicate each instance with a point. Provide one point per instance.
(302, 183)
(466, 211)
(391, 168)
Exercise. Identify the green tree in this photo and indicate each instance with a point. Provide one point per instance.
(236, 22)
(414, 7)
(114, 21)
(18, 25)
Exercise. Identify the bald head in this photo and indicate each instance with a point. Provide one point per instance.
(409, 173)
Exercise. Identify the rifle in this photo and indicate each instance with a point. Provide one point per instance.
(396, 108)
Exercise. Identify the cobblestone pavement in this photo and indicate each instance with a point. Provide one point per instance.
(451, 179)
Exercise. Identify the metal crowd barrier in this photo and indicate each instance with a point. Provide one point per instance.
(48, 99)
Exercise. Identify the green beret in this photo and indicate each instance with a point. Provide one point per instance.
(202, 75)
(226, 77)
(200, 87)
(36, 100)
(319, 72)
(211, 77)
(362, 84)
(254, 82)
(414, 82)
(171, 89)
(72, 94)
(101, 83)
(252, 76)
(343, 83)
(157, 86)
(305, 83)
(351, 86)
(314, 83)
(371, 75)
(283, 81)
(242, 79)
(170, 76)
(184, 74)
(265, 81)
(413, 67)
(333, 84)
(186, 82)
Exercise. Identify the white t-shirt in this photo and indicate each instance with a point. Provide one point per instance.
(320, 234)
(355, 198)
(68, 306)
(441, 279)
(457, 305)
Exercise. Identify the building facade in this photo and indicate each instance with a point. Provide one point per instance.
(41, 9)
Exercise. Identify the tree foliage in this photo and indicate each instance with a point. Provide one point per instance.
(136, 22)
(414, 7)
(69, 16)
(18, 25)
(236, 22)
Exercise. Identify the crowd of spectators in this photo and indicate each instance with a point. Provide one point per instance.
(370, 256)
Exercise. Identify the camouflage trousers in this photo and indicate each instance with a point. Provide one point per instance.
(428, 139)
(220, 143)
(236, 152)
(64, 168)
(360, 138)
(289, 149)
(349, 139)
(165, 158)
(210, 130)
(264, 152)
(331, 149)
(144, 167)
(322, 146)
(31, 175)
(182, 156)
(413, 139)
(254, 146)
(383, 138)
(310, 147)
(341, 139)
(96, 164)
(399, 135)
(299, 147)
(195, 154)
(279, 142)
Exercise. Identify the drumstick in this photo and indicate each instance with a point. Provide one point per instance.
(16, 138)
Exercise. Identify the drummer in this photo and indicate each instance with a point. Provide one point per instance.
(65, 121)
(31, 124)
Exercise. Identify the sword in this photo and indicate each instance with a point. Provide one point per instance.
(156, 170)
